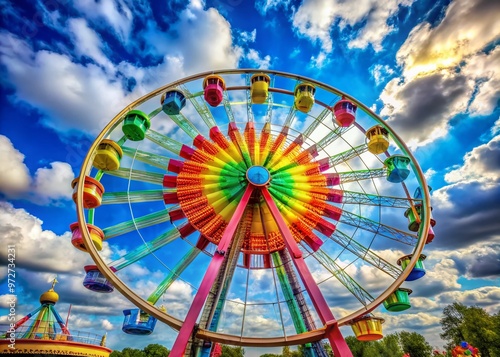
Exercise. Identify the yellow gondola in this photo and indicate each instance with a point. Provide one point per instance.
(368, 328)
(304, 97)
(378, 139)
(259, 89)
(108, 156)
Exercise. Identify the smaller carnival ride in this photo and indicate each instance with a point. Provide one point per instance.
(43, 332)
(465, 349)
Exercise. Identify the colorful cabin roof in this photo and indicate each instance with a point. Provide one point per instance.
(108, 156)
(96, 281)
(345, 112)
(378, 139)
(418, 270)
(368, 328)
(213, 88)
(260, 77)
(214, 79)
(259, 87)
(397, 168)
(173, 101)
(92, 192)
(137, 322)
(43, 332)
(304, 96)
(399, 300)
(135, 125)
(96, 234)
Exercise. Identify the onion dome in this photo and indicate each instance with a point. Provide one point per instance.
(50, 296)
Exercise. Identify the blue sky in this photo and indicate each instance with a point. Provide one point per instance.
(429, 68)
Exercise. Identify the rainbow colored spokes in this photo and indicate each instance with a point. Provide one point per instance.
(209, 184)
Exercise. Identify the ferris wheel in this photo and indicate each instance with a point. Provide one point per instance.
(275, 200)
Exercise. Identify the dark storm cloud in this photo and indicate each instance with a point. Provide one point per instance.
(428, 101)
(486, 157)
(487, 265)
(472, 217)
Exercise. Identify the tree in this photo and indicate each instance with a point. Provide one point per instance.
(156, 350)
(231, 351)
(355, 346)
(415, 344)
(151, 350)
(473, 325)
(132, 352)
(451, 323)
(364, 349)
(328, 349)
(391, 345)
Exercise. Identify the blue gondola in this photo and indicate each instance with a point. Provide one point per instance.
(172, 102)
(397, 168)
(138, 322)
(96, 281)
(418, 270)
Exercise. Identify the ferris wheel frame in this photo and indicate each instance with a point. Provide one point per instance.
(310, 336)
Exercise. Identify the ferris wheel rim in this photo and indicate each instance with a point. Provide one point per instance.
(175, 323)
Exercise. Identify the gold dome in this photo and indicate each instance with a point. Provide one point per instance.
(50, 296)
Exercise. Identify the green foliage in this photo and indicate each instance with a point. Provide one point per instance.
(473, 325)
(391, 345)
(328, 349)
(232, 351)
(151, 350)
(156, 350)
(132, 352)
(415, 344)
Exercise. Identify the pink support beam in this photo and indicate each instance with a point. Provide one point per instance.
(208, 280)
(339, 346)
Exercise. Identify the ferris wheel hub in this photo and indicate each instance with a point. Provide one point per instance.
(258, 175)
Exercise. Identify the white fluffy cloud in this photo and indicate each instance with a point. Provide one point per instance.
(481, 164)
(116, 13)
(76, 97)
(197, 34)
(60, 88)
(263, 6)
(486, 297)
(259, 62)
(53, 184)
(107, 325)
(468, 26)
(14, 176)
(315, 20)
(443, 67)
(380, 72)
(420, 109)
(87, 42)
(54, 253)
(49, 185)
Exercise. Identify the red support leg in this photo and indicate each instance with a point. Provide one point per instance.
(208, 280)
(339, 346)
